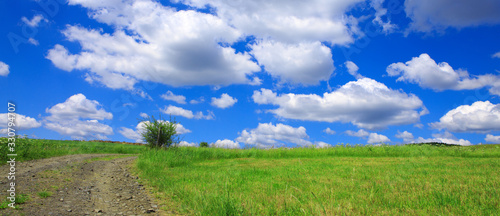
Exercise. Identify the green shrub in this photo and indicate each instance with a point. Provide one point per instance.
(204, 144)
(160, 133)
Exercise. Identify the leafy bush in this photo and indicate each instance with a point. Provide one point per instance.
(159, 133)
(204, 144)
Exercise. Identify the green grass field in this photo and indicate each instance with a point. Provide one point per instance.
(344, 180)
(31, 149)
(386, 180)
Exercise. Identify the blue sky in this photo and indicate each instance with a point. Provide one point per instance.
(254, 73)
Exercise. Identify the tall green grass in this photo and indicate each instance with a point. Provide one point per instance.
(368, 180)
(30, 149)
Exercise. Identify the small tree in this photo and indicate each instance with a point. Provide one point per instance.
(159, 133)
(204, 144)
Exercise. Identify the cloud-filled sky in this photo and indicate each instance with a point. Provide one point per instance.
(254, 73)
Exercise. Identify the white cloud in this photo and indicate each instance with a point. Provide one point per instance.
(4, 69)
(80, 129)
(139, 129)
(380, 12)
(461, 142)
(365, 103)
(372, 137)
(425, 72)
(187, 144)
(155, 43)
(437, 15)
(286, 21)
(353, 69)
(329, 131)
(35, 21)
(21, 122)
(225, 144)
(144, 115)
(178, 111)
(445, 137)
(360, 133)
(377, 138)
(78, 117)
(77, 106)
(180, 99)
(496, 55)
(302, 63)
(267, 135)
(197, 101)
(406, 136)
(224, 101)
(131, 134)
(322, 145)
(480, 117)
(492, 139)
(33, 41)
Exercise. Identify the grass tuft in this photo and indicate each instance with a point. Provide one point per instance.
(44, 194)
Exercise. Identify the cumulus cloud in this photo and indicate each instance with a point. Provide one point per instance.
(425, 72)
(322, 145)
(35, 21)
(139, 129)
(81, 129)
(187, 144)
(480, 117)
(406, 136)
(372, 137)
(75, 107)
(157, 43)
(267, 135)
(21, 122)
(353, 69)
(286, 21)
(445, 137)
(224, 101)
(180, 99)
(496, 55)
(492, 139)
(197, 101)
(377, 138)
(229, 144)
(143, 115)
(380, 12)
(360, 133)
(454, 141)
(152, 42)
(178, 111)
(365, 103)
(4, 69)
(437, 15)
(329, 131)
(78, 117)
(302, 63)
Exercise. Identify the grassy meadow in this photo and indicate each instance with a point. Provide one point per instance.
(31, 149)
(343, 180)
(385, 180)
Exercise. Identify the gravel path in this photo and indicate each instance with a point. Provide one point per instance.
(79, 185)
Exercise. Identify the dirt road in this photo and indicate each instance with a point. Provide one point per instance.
(79, 185)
